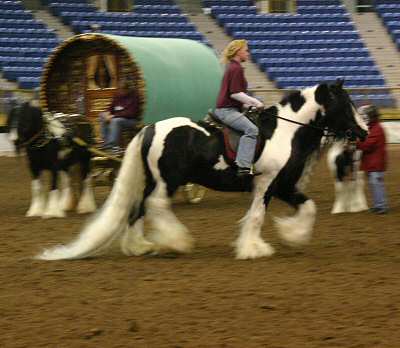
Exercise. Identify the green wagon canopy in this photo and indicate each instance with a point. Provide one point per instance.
(174, 77)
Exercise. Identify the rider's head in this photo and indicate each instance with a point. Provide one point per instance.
(236, 49)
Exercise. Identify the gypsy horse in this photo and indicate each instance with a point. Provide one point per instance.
(174, 151)
(49, 147)
(344, 163)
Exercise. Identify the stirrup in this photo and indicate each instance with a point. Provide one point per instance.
(245, 171)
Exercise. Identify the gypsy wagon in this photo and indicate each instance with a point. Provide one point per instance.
(173, 77)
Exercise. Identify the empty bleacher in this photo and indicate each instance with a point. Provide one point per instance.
(389, 12)
(318, 43)
(25, 43)
(158, 18)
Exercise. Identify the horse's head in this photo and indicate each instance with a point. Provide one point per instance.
(24, 123)
(341, 116)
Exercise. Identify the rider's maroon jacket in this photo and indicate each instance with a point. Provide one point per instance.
(232, 82)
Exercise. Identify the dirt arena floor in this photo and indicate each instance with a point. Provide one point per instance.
(342, 290)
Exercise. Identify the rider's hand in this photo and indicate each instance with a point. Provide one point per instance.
(258, 104)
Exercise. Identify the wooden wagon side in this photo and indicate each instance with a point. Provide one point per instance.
(173, 77)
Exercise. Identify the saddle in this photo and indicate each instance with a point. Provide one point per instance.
(232, 136)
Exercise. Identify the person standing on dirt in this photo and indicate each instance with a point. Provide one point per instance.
(122, 114)
(374, 158)
(232, 98)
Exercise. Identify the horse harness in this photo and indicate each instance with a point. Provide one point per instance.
(66, 124)
(42, 134)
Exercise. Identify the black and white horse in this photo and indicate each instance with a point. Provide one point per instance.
(344, 163)
(49, 146)
(175, 151)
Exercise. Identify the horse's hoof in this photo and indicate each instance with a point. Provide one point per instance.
(143, 248)
(86, 210)
(35, 211)
(253, 250)
(50, 215)
(33, 214)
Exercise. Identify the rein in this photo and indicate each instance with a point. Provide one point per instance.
(325, 130)
(304, 124)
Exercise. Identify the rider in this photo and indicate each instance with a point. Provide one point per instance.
(232, 98)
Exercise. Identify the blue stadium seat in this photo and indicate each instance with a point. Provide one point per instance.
(57, 8)
(11, 5)
(318, 2)
(16, 14)
(26, 33)
(21, 61)
(209, 3)
(321, 9)
(350, 81)
(318, 43)
(238, 10)
(310, 53)
(21, 23)
(26, 82)
(12, 73)
(151, 9)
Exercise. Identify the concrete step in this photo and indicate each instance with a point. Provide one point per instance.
(190, 6)
(62, 31)
(40, 12)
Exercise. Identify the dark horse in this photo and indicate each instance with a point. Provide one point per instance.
(49, 146)
(175, 151)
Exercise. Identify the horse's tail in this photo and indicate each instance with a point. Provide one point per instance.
(112, 219)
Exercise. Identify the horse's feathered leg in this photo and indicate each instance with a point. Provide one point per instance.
(168, 233)
(53, 208)
(67, 200)
(358, 199)
(133, 241)
(87, 203)
(38, 199)
(112, 219)
(296, 230)
(249, 244)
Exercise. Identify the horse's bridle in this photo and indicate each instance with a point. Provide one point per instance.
(325, 130)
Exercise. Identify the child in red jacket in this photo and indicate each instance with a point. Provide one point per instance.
(374, 159)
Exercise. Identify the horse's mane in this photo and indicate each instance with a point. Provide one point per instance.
(288, 96)
(295, 98)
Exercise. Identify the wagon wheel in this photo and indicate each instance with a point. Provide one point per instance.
(194, 193)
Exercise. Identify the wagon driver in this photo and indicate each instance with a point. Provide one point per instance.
(123, 113)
